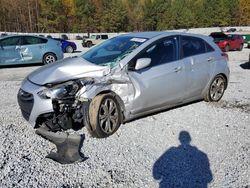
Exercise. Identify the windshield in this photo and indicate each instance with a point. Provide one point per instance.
(112, 51)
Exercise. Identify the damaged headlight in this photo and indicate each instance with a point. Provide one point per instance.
(64, 90)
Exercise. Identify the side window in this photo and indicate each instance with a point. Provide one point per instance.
(104, 37)
(12, 41)
(208, 47)
(98, 37)
(29, 40)
(192, 46)
(163, 51)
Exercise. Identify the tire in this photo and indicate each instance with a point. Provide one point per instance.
(241, 47)
(104, 116)
(227, 48)
(216, 89)
(69, 49)
(89, 44)
(49, 58)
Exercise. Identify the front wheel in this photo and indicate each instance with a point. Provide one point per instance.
(216, 89)
(104, 116)
(49, 58)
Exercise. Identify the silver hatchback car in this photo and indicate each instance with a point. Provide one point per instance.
(124, 78)
(28, 49)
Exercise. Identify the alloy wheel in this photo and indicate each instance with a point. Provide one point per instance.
(49, 59)
(217, 88)
(108, 116)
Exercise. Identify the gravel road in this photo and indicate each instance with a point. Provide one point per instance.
(209, 142)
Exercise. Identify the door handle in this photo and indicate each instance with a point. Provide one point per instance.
(177, 69)
(18, 48)
(210, 59)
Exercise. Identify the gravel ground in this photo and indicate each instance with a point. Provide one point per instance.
(144, 153)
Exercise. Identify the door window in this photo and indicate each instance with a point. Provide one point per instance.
(163, 51)
(192, 46)
(104, 37)
(12, 41)
(29, 40)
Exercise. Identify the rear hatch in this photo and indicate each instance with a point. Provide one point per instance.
(219, 37)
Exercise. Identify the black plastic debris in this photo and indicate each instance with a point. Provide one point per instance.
(68, 146)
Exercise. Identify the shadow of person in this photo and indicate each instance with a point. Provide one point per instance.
(245, 65)
(184, 166)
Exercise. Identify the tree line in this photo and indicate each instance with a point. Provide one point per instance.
(120, 15)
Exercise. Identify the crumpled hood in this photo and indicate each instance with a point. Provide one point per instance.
(67, 69)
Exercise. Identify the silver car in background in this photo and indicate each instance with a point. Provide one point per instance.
(126, 77)
(28, 49)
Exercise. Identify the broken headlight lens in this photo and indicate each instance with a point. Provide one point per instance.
(64, 90)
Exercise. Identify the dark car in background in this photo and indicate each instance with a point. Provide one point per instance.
(228, 42)
(64, 37)
(3, 35)
(67, 46)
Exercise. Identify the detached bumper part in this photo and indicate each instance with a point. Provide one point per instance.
(26, 102)
(68, 146)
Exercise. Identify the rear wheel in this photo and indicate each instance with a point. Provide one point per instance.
(49, 58)
(104, 116)
(227, 48)
(69, 49)
(216, 89)
(89, 44)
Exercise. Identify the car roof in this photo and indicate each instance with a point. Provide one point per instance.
(147, 35)
(153, 34)
(25, 35)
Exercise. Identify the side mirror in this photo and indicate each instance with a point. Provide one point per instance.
(142, 63)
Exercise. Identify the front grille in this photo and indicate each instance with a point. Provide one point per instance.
(26, 102)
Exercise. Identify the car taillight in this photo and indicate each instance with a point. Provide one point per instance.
(225, 55)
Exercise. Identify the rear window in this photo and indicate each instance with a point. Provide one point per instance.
(192, 46)
(219, 36)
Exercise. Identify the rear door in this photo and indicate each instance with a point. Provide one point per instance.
(32, 49)
(198, 58)
(10, 51)
(161, 84)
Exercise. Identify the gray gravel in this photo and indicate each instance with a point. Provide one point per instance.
(142, 151)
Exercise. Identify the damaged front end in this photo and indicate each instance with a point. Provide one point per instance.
(71, 100)
(68, 110)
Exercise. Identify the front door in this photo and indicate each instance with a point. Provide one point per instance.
(163, 83)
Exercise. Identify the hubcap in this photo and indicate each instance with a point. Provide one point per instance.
(108, 116)
(217, 88)
(69, 49)
(49, 59)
